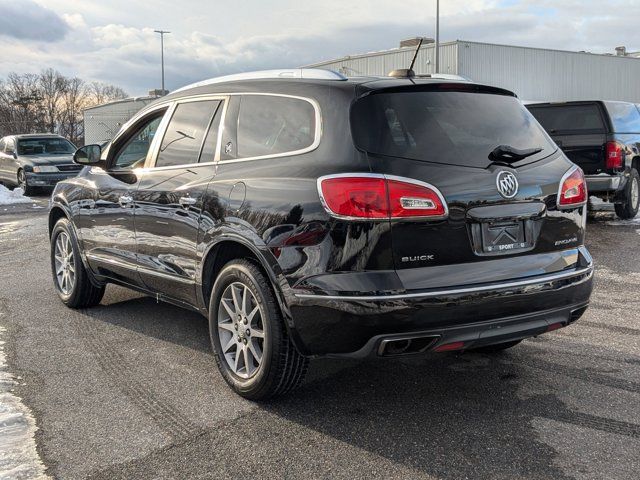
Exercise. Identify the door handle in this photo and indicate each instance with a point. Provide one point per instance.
(125, 201)
(186, 202)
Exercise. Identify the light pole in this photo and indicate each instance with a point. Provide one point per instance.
(162, 32)
(437, 52)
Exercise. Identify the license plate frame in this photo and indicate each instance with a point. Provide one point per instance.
(504, 237)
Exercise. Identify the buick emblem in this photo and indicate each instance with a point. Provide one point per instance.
(507, 184)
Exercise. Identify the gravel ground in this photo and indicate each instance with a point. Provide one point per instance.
(129, 389)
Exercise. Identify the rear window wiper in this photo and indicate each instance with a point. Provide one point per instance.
(509, 154)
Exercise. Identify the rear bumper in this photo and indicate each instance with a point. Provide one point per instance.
(48, 179)
(481, 314)
(605, 183)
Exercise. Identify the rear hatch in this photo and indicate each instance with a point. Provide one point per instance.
(443, 135)
(580, 129)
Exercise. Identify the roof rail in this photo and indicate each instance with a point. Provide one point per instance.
(309, 73)
(445, 76)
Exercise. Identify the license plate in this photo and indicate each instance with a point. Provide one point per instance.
(504, 237)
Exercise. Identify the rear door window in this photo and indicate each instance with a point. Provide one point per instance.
(273, 125)
(570, 119)
(185, 133)
(624, 116)
(451, 127)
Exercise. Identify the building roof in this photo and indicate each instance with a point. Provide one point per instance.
(426, 46)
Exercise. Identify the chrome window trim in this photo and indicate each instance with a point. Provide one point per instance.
(387, 177)
(317, 133)
(564, 177)
(455, 291)
(227, 96)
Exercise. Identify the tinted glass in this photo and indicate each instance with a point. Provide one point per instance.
(624, 116)
(134, 153)
(45, 146)
(211, 140)
(458, 128)
(570, 118)
(181, 144)
(269, 125)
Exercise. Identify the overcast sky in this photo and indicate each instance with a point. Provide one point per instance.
(113, 40)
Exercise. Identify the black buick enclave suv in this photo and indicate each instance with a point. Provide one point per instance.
(306, 214)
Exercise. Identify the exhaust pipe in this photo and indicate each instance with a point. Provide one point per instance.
(395, 346)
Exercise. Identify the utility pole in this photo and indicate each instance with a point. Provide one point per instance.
(437, 52)
(162, 33)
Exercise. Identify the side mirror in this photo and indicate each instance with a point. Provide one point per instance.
(88, 155)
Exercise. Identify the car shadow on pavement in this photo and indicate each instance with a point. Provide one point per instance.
(445, 416)
(442, 415)
(161, 321)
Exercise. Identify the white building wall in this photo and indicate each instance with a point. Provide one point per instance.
(101, 123)
(381, 63)
(535, 74)
(551, 75)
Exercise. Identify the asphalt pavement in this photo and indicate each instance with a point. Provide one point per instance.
(129, 389)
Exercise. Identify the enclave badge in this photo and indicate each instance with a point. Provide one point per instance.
(507, 184)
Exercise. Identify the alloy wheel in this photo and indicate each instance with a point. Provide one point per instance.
(64, 263)
(241, 330)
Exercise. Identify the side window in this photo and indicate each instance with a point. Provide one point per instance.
(10, 147)
(624, 116)
(134, 152)
(2, 143)
(182, 141)
(270, 125)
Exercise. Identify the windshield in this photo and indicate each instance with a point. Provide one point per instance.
(45, 146)
(457, 128)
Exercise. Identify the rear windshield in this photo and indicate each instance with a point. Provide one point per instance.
(568, 119)
(624, 116)
(457, 128)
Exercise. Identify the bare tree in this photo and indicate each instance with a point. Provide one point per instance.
(20, 101)
(52, 87)
(74, 101)
(50, 102)
(104, 92)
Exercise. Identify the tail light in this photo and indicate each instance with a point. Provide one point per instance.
(614, 155)
(573, 189)
(373, 196)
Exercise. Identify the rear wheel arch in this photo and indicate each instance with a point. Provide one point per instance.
(230, 248)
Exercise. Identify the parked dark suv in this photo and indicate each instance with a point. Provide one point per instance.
(603, 138)
(309, 215)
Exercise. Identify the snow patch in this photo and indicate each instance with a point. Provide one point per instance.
(18, 455)
(11, 197)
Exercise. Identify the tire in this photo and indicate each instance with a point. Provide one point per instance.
(497, 348)
(77, 291)
(252, 348)
(22, 183)
(629, 208)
